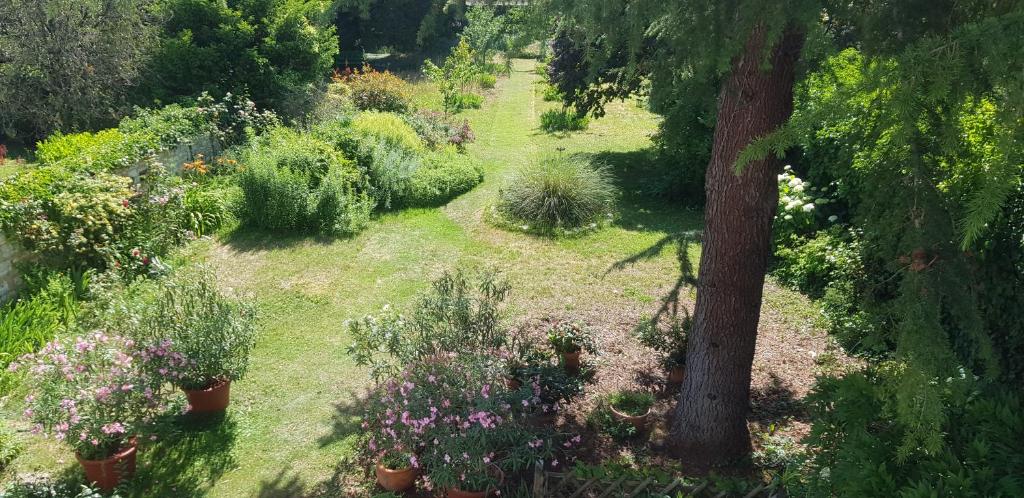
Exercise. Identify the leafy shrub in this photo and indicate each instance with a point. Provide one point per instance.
(456, 314)
(437, 130)
(297, 182)
(66, 218)
(208, 207)
(25, 325)
(550, 94)
(559, 193)
(830, 257)
(452, 77)
(94, 392)
(107, 150)
(391, 172)
(470, 101)
(443, 176)
(214, 331)
(234, 118)
(670, 344)
(388, 127)
(35, 486)
(564, 119)
(170, 125)
(268, 49)
(372, 90)
(570, 337)
(487, 80)
(801, 206)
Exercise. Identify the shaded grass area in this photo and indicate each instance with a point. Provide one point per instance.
(293, 423)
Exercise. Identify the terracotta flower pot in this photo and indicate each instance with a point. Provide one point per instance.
(110, 471)
(210, 400)
(458, 493)
(675, 376)
(396, 479)
(571, 361)
(638, 421)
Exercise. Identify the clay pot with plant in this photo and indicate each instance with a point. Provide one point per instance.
(669, 341)
(214, 331)
(570, 340)
(632, 407)
(97, 394)
(395, 471)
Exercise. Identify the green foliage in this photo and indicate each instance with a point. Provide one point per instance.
(571, 337)
(483, 33)
(862, 448)
(25, 325)
(453, 77)
(671, 343)
(208, 206)
(70, 65)
(389, 128)
(443, 176)
(564, 119)
(66, 218)
(33, 486)
(459, 313)
(632, 403)
(267, 49)
(470, 101)
(293, 181)
(372, 90)
(213, 330)
(559, 193)
(487, 80)
(438, 131)
(831, 257)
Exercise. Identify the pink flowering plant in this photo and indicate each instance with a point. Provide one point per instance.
(95, 392)
(453, 418)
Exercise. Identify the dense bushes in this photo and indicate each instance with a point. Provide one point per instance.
(372, 90)
(296, 182)
(564, 119)
(444, 175)
(388, 128)
(559, 193)
(268, 49)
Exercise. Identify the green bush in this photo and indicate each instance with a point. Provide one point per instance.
(810, 265)
(297, 182)
(550, 94)
(444, 176)
(372, 90)
(268, 49)
(487, 80)
(564, 119)
(470, 101)
(438, 131)
(388, 127)
(107, 150)
(213, 330)
(559, 193)
(391, 172)
(66, 218)
(208, 207)
(46, 307)
(631, 403)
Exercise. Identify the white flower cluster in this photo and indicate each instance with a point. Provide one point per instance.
(797, 196)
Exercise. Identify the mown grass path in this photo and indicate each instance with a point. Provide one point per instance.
(293, 420)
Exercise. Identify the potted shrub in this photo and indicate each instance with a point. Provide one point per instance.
(395, 470)
(97, 394)
(215, 332)
(632, 407)
(670, 344)
(569, 340)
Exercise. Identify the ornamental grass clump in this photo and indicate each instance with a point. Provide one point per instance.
(97, 392)
(558, 193)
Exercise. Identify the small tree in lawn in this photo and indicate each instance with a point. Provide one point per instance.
(451, 78)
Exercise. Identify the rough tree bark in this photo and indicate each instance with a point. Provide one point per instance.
(709, 426)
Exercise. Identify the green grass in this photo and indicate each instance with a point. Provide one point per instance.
(293, 420)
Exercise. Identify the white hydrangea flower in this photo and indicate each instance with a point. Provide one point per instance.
(808, 207)
(833, 218)
(787, 217)
(799, 187)
(794, 182)
(793, 204)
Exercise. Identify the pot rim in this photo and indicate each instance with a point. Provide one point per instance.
(131, 447)
(628, 417)
(388, 470)
(217, 384)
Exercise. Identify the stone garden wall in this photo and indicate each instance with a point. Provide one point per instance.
(173, 159)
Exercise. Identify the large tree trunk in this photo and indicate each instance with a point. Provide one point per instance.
(709, 427)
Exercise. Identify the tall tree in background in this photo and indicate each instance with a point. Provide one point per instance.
(752, 48)
(69, 64)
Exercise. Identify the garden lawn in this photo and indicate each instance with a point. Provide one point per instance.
(292, 425)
